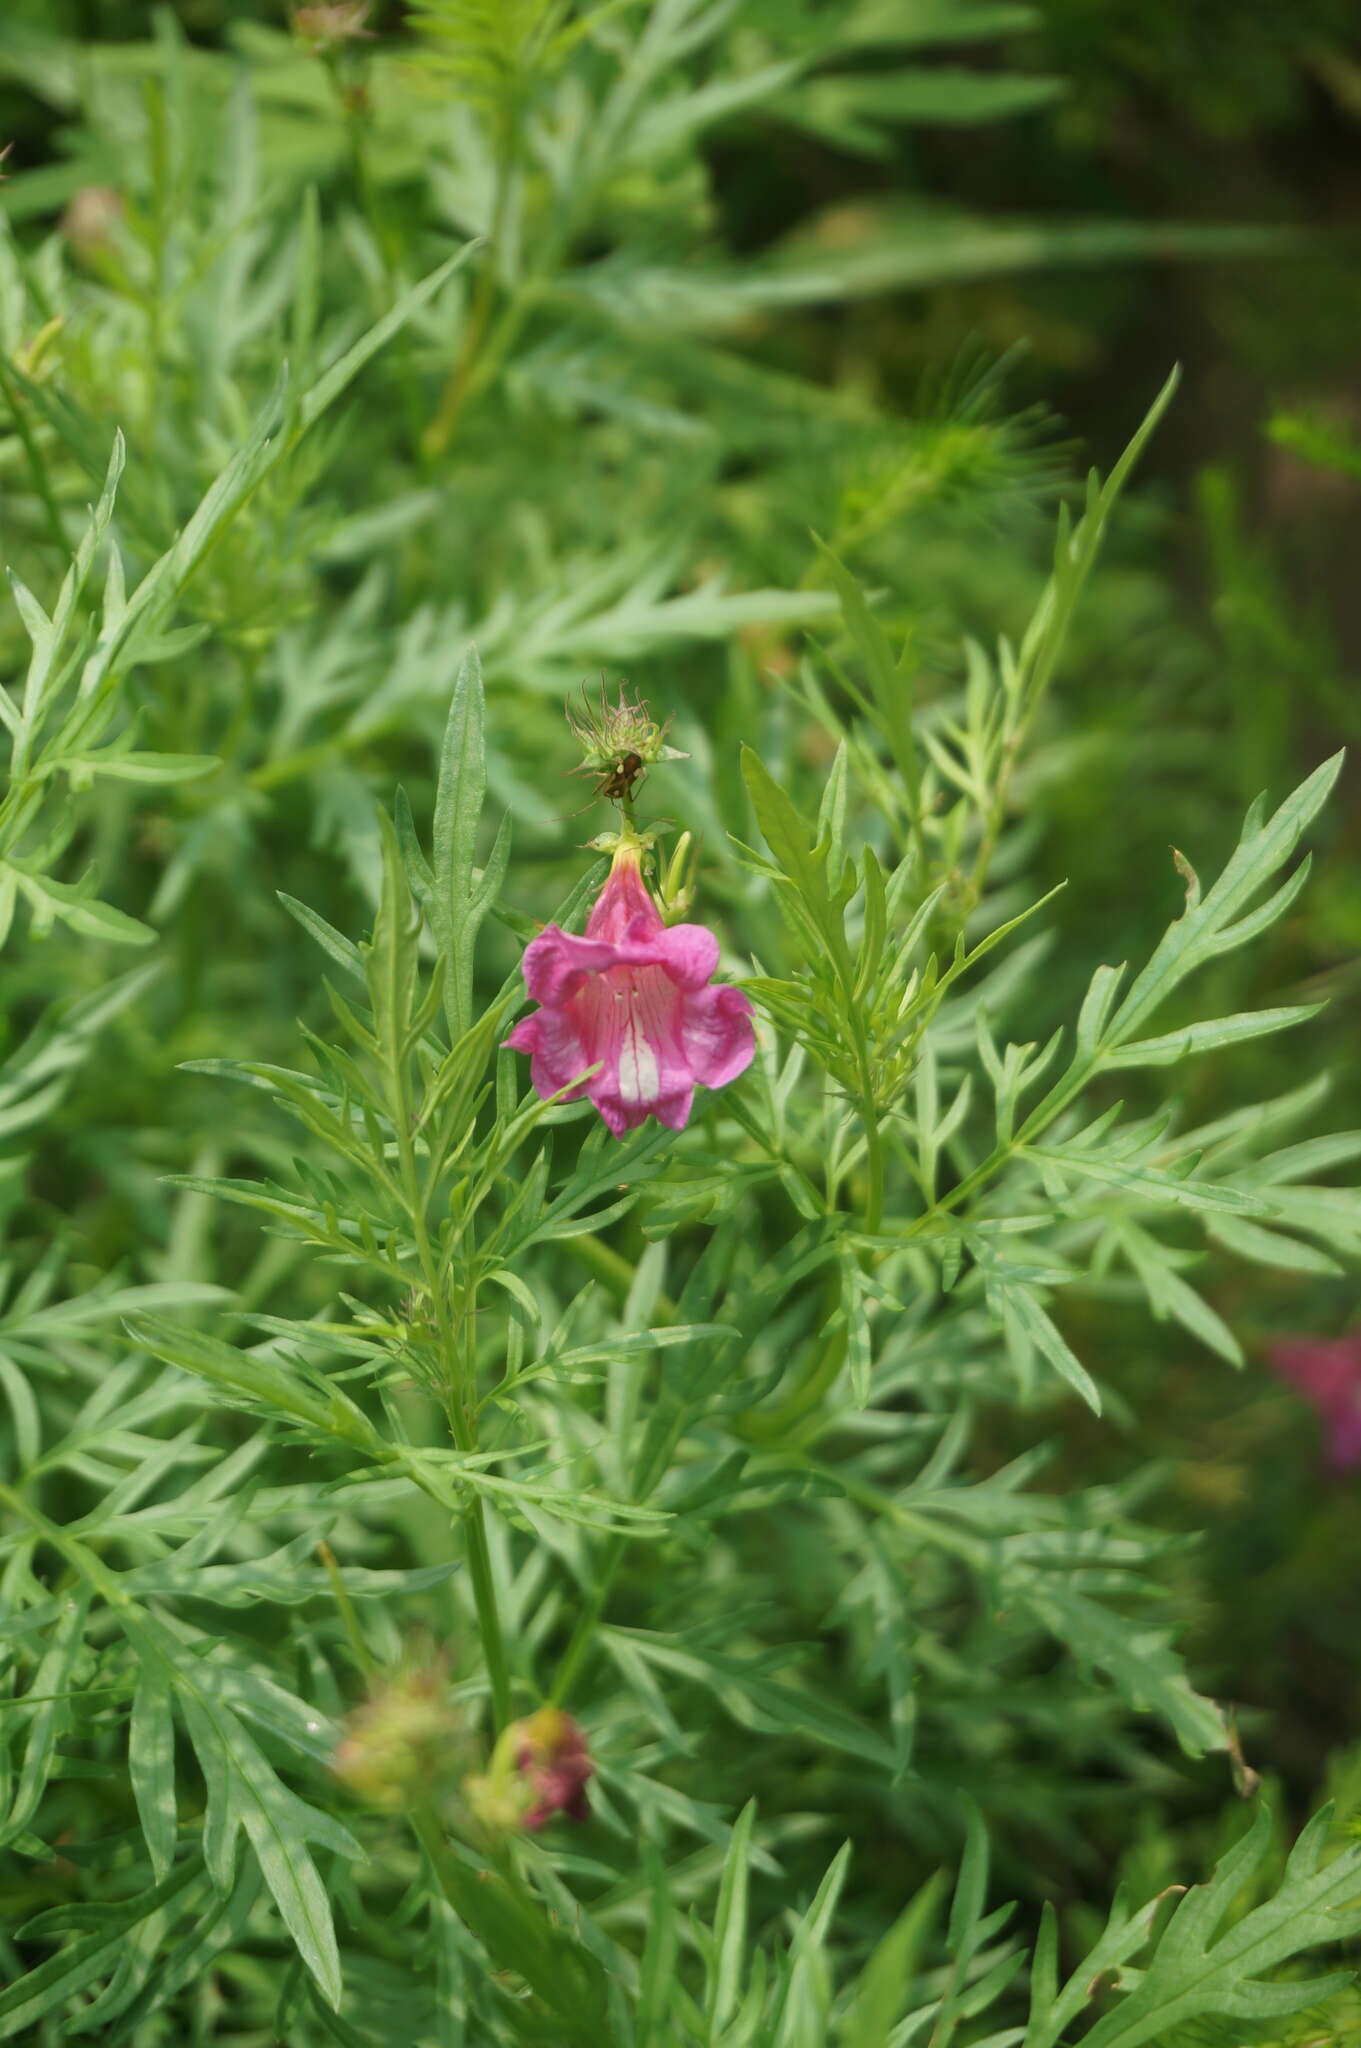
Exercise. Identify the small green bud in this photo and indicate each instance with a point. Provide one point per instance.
(680, 880)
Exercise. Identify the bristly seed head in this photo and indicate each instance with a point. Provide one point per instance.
(615, 737)
(321, 29)
(407, 1735)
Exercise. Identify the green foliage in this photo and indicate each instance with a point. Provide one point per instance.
(1200, 1967)
(339, 1368)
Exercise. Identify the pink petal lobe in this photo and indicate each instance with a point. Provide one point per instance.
(613, 1115)
(558, 962)
(1344, 1441)
(1327, 1371)
(689, 953)
(717, 1034)
(674, 1110)
(559, 1054)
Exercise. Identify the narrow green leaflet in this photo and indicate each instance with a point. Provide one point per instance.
(151, 1764)
(1223, 920)
(1029, 1326)
(51, 1681)
(455, 907)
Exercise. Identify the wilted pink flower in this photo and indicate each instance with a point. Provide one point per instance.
(540, 1767)
(635, 997)
(552, 1758)
(1328, 1373)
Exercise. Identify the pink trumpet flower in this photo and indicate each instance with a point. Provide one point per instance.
(1328, 1373)
(637, 999)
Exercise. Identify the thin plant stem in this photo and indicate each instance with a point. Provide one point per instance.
(444, 421)
(352, 98)
(33, 455)
(459, 1361)
(359, 1649)
(582, 1639)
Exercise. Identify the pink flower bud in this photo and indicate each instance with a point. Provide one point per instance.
(636, 999)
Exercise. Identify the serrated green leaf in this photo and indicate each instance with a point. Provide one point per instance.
(54, 1984)
(1147, 1183)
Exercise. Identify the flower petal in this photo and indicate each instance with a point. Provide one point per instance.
(674, 1110)
(616, 1116)
(689, 953)
(633, 1000)
(631, 1019)
(717, 1035)
(624, 906)
(558, 1053)
(557, 963)
(1344, 1441)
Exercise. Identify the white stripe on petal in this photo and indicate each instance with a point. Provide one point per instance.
(638, 1073)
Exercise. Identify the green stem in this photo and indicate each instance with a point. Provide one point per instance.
(463, 1429)
(488, 1615)
(774, 1424)
(874, 1160)
(42, 482)
(582, 1638)
(1050, 1106)
(654, 1458)
(438, 434)
(461, 1406)
(352, 97)
(359, 1649)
